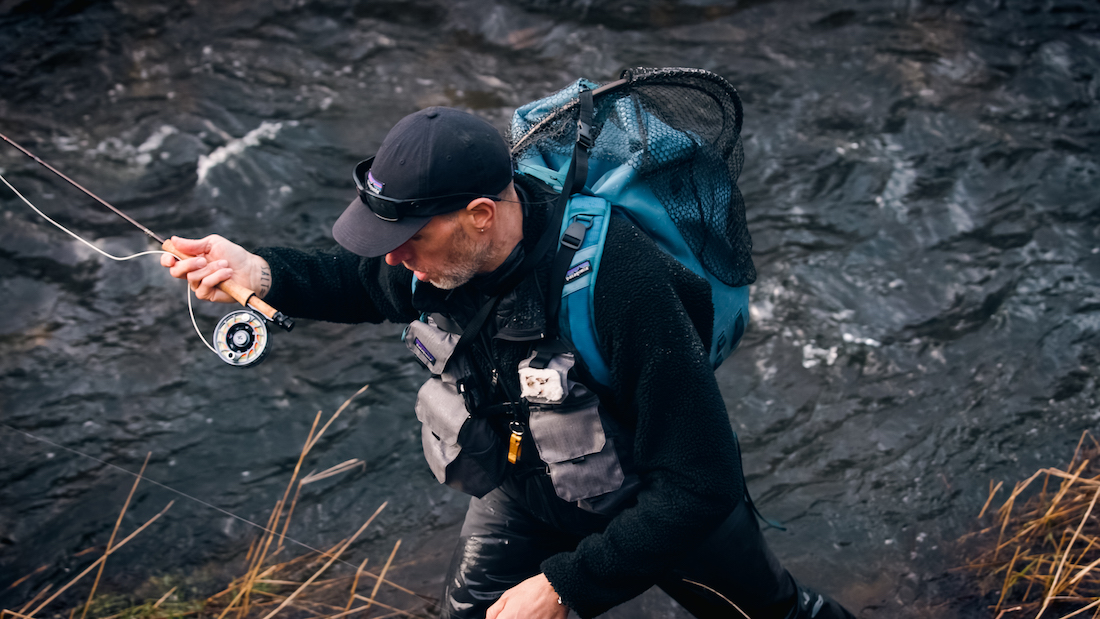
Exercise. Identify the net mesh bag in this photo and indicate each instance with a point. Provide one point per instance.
(680, 130)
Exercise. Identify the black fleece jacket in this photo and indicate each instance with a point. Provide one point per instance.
(652, 317)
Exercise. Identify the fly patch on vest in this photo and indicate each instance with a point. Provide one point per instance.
(462, 450)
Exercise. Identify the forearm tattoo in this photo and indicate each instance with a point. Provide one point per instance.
(265, 281)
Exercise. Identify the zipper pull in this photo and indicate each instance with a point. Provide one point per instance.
(514, 441)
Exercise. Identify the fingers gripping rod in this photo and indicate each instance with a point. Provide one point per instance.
(242, 295)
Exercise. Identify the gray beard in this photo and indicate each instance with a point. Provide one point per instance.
(453, 278)
(469, 256)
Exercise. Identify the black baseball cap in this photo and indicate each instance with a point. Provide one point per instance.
(432, 162)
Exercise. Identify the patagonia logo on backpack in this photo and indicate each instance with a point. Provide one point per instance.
(577, 271)
(663, 148)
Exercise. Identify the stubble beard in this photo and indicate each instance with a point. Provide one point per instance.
(467, 258)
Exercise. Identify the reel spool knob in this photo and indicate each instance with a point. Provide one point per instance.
(241, 338)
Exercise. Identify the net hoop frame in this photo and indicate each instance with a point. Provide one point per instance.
(632, 77)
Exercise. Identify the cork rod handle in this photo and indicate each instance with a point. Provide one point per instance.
(240, 294)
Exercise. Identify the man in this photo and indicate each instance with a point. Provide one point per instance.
(438, 203)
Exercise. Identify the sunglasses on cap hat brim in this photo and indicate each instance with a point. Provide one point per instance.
(394, 209)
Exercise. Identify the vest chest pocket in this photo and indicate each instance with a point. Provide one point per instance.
(579, 455)
(462, 451)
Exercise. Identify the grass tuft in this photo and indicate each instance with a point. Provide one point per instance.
(315, 585)
(1043, 550)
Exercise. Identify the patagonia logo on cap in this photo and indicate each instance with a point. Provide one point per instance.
(373, 183)
(578, 271)
(424, 349)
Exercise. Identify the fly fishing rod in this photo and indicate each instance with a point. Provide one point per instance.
(241, 337)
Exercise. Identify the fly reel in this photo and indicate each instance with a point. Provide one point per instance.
(240, 338)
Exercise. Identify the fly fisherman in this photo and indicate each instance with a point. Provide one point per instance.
(651, 456)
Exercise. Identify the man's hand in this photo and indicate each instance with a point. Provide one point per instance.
(215, 260)
(533, 598)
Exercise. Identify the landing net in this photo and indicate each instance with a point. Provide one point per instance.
(680, 129)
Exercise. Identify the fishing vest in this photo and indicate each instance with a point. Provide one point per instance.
(577, 442)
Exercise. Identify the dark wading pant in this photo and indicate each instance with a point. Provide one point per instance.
(503, 544)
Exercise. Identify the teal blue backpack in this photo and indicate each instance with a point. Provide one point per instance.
(663, 148)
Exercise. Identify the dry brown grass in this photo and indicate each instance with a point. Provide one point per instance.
(302, 586)
(1043, 552)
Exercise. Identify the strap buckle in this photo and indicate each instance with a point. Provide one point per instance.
(584, 134)
(574, 235)
(584, 119)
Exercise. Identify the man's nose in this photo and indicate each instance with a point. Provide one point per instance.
(398, 255)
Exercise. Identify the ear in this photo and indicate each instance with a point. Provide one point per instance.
(481, 213)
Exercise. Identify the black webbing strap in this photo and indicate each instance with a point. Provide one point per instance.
(475, 325)
(570, 243)
(574, 234)
(577, 176)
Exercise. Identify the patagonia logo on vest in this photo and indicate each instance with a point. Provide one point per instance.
(424, 349)
(577, 271)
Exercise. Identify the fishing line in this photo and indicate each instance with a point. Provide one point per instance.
(190, 307)
(241, 336)
(172, 490)
(194, 322)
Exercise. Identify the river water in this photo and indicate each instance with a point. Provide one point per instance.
(921, 180)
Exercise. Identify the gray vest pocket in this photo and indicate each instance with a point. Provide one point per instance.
(575, 438)
(462, 451)
(579, 456)
(432, 345)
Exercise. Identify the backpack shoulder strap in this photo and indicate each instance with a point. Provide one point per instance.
(588, 218)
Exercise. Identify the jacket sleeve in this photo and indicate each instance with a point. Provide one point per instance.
(338, 286)
(649, 312)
